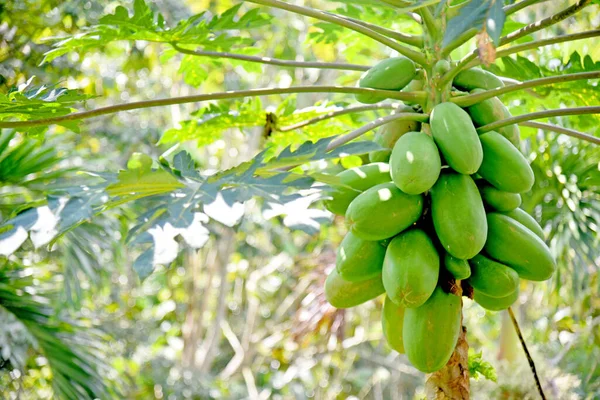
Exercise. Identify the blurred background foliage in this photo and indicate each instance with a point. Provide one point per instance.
(245, 317)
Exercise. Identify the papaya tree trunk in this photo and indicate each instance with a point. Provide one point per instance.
(452, 381)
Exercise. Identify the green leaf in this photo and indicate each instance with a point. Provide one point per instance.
(28, 102)
(214, 119)
(478, 367)
(218, 32)
(477, 14)
(140, 183)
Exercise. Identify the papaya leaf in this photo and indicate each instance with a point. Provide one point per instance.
(29, 102)
(478, 367)
(214, 119)
(477, 14)
(213, 32)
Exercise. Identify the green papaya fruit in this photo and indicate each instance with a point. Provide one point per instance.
(459, 269)
(415, 163)
(358, 259)
(343, 294)
(430, 332)
(383, 211)
(456, 137)
(499, 199)
(512, 244)
(492, 278)
(392, 321)
(441, 67)
(415, 85)
(458, 215)
(388, 135)
(410, 268)
(503, 165)
(527, 220)
(476, 78)
(492, 110)
(358, 179)
(390, 74)
(495, 303)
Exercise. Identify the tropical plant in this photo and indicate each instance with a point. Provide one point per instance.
(174, 200)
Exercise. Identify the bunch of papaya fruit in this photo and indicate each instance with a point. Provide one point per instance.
(435, 205)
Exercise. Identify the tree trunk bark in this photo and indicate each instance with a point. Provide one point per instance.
(452, 381)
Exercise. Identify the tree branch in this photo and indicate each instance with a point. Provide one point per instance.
(405, 51)
(538, 43)
(272, 61)
(538, 115)
(337, 113)
(393, 94)
(430, 23)
(416, 41)
(469, 100)
(533, 27)
(560, 129)
(513, 8)
(372, 125)
(544, 23)
(529, 359)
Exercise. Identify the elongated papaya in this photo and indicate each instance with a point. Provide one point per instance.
(388, 135)
(415, 85)
(343, 294)
(456, 137)
(459, 269)
(431, 331)
(392, 321)
(492, 278)
(390, 74)
(383, 211)
(476, 78)
(511, 243)
(357, 180)
(415, 163)
(503, 165)
(527, 220)
(499, 199)
(410, 268)
(458, 215)
(495, 303)
(358, 259)
(492, 110)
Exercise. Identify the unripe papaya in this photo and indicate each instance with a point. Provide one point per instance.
(431, 331)
(358, 259)
(415, 163)
(389, 134)
(458, 215)
(495, 303)
(343, 294)
(513, 244)
(476, 78)
(503, 165)
(383, 211)
(499, 199)
(492, 110)
(459, 269)
(527, 220)
(414, 86)
(410, 268)
(392, 321)
(357, 179)
(456, 137)
(441, 67)
(492, 278)
(390, 74)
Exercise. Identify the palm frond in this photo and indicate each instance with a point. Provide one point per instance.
(71, 353)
